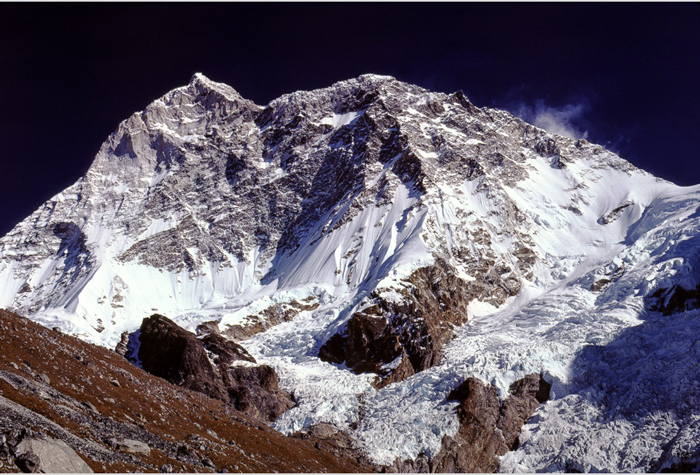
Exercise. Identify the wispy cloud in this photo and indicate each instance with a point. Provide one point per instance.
(557, 120)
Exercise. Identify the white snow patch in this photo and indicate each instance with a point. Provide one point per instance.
(339, 120)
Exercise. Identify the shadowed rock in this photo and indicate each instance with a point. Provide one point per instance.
(176, 355)
(206, 364)
(674, 299)
(223, 351)
(525, 395)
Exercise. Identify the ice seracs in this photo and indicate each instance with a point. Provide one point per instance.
(376, 205)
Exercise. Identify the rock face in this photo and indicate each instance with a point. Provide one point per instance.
(222, 350)
(172, 353)
(400, 337)
(255, 391)
(176, 355)
(487, 427)
(525, 395)
(269, 317)
(674, 299)
(475, 447)
(131, 446)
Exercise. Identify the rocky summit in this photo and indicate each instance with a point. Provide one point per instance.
(412, 281)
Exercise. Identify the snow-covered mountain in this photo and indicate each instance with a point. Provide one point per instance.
(411, 240)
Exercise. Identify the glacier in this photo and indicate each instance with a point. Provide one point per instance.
(205, 206)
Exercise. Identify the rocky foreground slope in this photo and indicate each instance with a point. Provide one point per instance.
(68, 406)
(378, 246)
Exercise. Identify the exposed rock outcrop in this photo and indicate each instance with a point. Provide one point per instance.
(271, 316)
(398, 338)
(254, 390)
(222, 351)
(477, 443)
(208, 364)
(525, 395)
(371, 341)
(487, 427)
(674, 299)
(176, 355)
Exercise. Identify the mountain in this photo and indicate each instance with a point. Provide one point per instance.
(380, 246)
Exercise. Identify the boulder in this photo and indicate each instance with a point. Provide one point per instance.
(131, 446)
(28, 463)
(90, 407)
(48, 455)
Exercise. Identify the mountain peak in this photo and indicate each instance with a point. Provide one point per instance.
(377, 77)
(201, 84)
(196, 77)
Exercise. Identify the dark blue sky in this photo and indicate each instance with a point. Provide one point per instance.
(69, 73)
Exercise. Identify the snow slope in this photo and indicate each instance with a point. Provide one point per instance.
(205, 206)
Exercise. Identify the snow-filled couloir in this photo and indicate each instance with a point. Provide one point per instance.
(456, 241)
